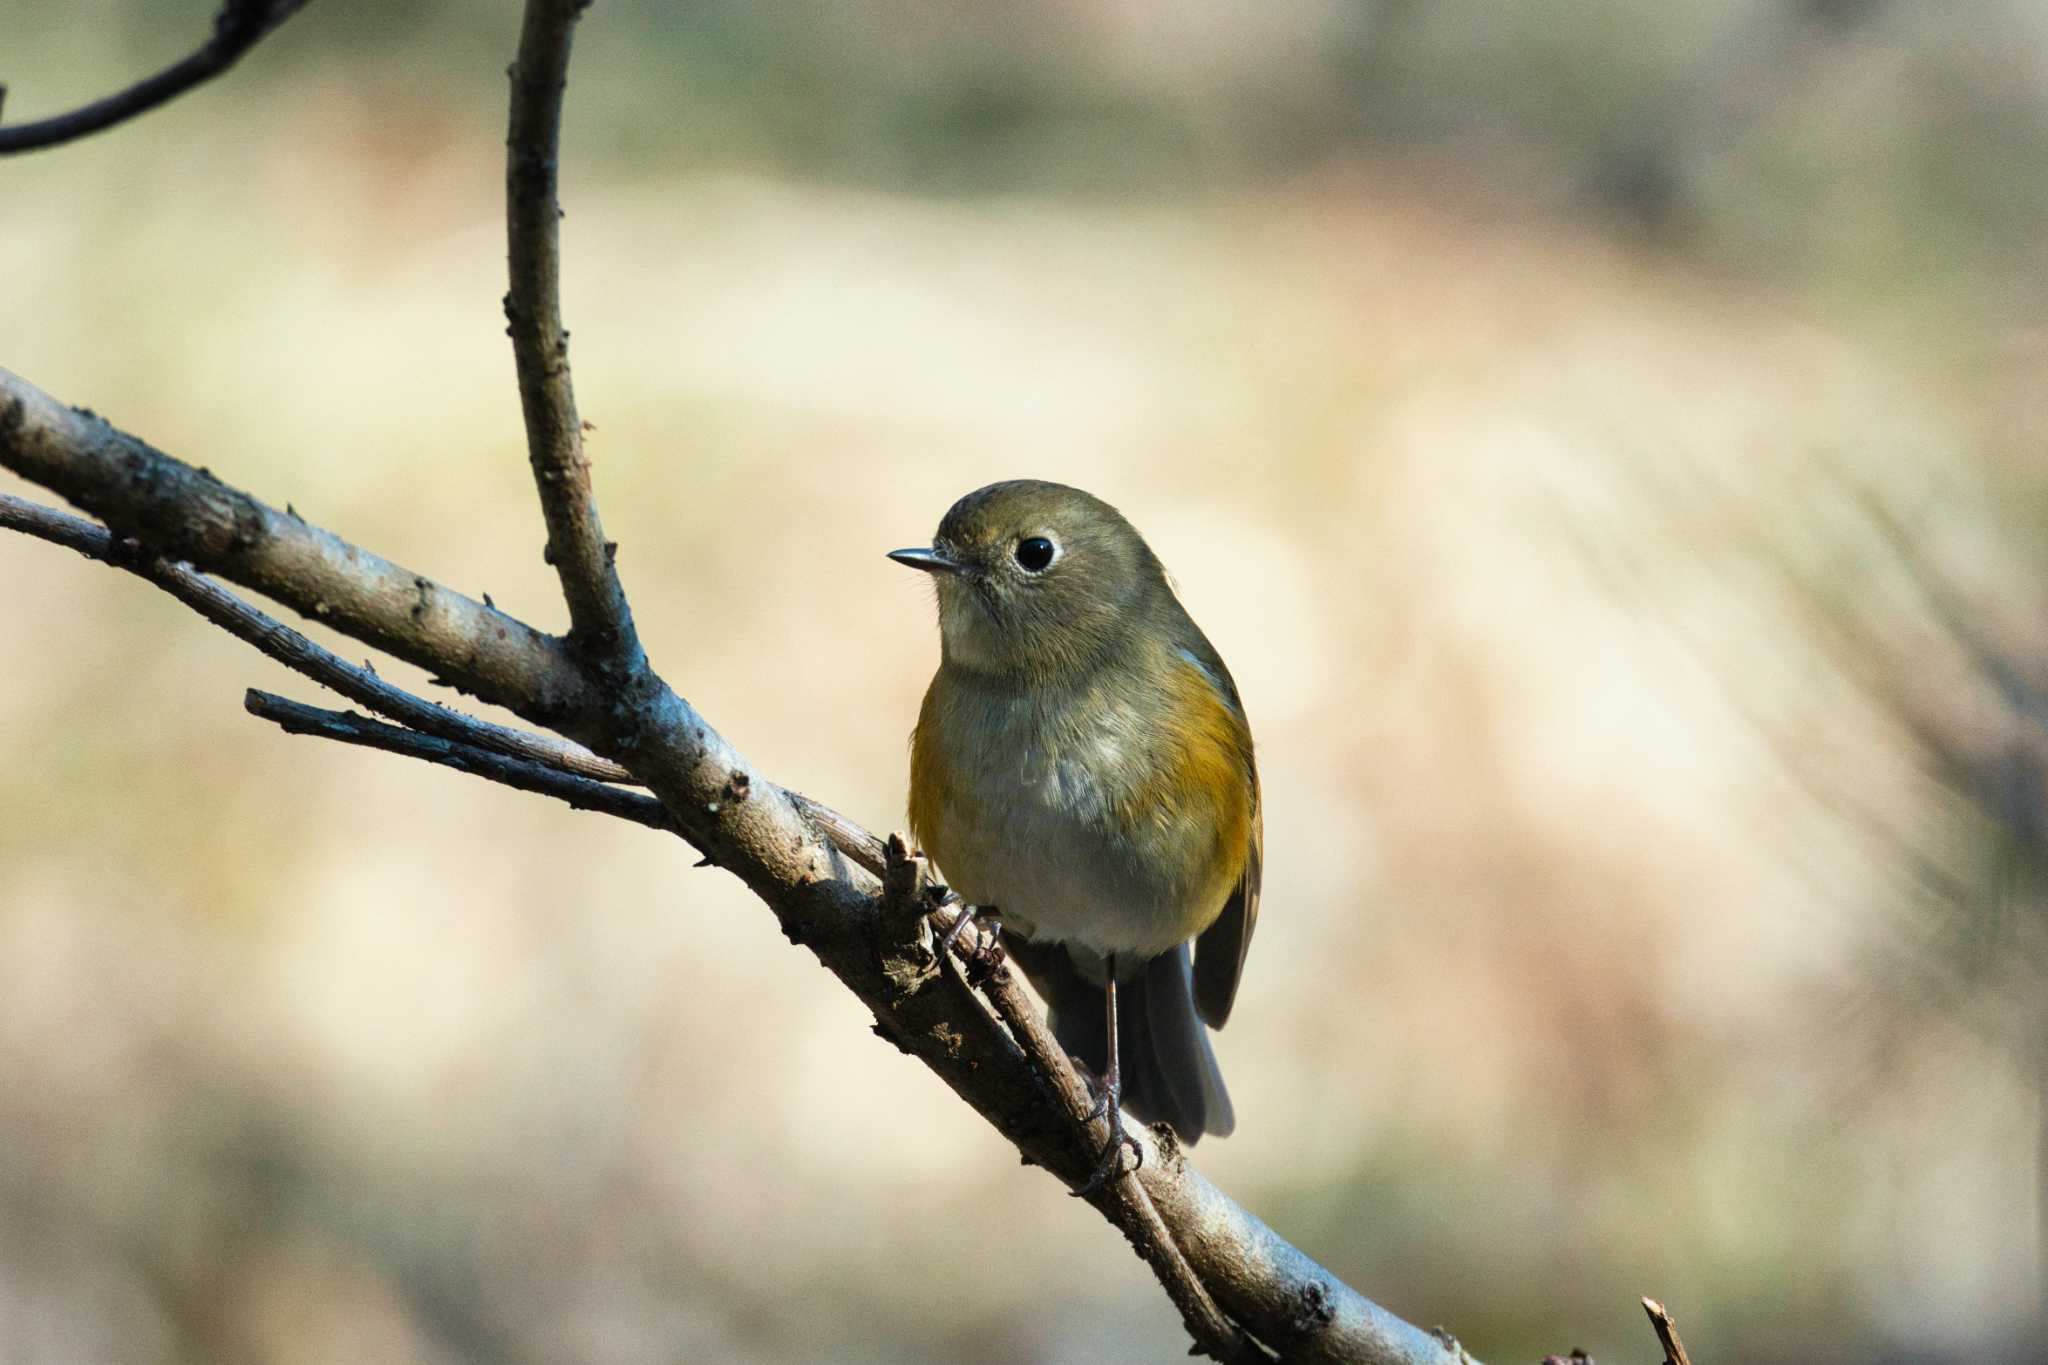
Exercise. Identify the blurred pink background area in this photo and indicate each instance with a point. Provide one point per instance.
(1606, 451)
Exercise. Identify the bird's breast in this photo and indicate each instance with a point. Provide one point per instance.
(1084, 815)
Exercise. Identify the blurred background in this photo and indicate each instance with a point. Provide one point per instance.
(1604, 437)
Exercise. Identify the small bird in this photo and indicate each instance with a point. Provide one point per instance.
(1082, 767)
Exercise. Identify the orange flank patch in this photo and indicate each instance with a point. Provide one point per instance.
(1206, 780)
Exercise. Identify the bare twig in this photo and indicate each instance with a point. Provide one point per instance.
(296, 718)
(296, 652)
(600, 622)
(1667, 1333)
(239, 26)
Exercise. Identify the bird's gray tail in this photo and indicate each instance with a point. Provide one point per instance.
(1170, 1074)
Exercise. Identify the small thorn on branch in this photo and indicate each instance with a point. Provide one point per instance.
(1667, 1333)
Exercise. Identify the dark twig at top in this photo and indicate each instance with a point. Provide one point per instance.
(239, 26)
(600, 622)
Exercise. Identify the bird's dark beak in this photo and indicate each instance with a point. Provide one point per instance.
(931, 561)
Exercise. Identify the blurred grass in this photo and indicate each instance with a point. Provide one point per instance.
(1510, 394)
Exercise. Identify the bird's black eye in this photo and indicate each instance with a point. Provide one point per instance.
(1034, 553)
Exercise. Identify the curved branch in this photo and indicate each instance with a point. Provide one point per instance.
(239, 26)
(766, 836)
(600, 622)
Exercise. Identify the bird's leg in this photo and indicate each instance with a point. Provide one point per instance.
(1109, 1086)
(990, 955)
(1110, 1164)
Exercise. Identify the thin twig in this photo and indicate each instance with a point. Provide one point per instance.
(239, 26)
(296, 718)
(600, 622)
(1667, 1333)
(297, 652)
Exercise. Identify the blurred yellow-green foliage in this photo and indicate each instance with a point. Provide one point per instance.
(1604, 437)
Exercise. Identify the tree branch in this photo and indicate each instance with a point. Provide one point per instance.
(1667, 1333)
(239, 26)
(295, 651)
(177, 512)
(296, 718)
(600, 622)
(360, 684)
(1122, 1201)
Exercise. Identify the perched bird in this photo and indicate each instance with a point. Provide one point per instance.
(1082, 767)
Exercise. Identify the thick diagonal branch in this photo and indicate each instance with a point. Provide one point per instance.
(239, 26)
(177, 512)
